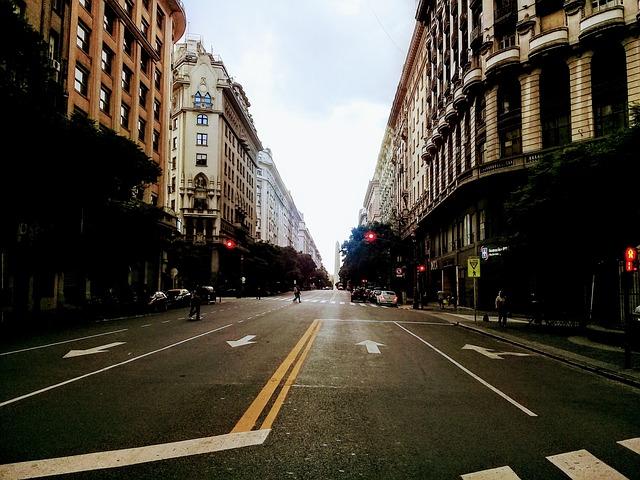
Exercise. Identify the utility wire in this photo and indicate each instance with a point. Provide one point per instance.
(382, 27)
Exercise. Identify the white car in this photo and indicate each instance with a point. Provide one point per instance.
(387, 297)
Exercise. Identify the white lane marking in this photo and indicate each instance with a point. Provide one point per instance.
(501, 473)
(75, 379)
(165, 321)
(313, 301)
(64, 341)
(473, 375)
(488, 352)
(440, 324)
(582, 465)
(341, 303)
(146, 325)
(372, 346)
(323, 301)
(351, 303)
(246, 340)
(91, 351)
(632, 444)
(131, 456)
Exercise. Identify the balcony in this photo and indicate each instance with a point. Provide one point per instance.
(472, 78)
(443, 125)
(450, 113)
(605, 17)
(475, 39)
(503, 58)
(547, 41)
(459, 98)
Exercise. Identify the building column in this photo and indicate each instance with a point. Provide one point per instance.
(581, 100)
(530, 98)
(492, 143)
(632, 50)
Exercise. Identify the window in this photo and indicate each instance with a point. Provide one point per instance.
(156, 109)
(124, 115)
(83, 36)
(86, 4)
(144, 28)
(105, 99)
(146, 4)
(159, 47)
(201, 159)
(142, 95)
(128, 6)
(156, 140)
(160, 19)
(509, 118)
(202, 139)
(126, 79)
(142, 126)
(174, 143)
(81, 80)
(157, 79)
(202, 119)
(555, 108)
(109, 20)
(128, 43)
(609, 90)
(174, 163)
(106, 59)
(482, 234)
(144, 61)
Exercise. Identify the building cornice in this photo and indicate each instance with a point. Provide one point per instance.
(406, 73)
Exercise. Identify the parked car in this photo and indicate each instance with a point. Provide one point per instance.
(373, 295)
(357, 294)
(387, 297)
(207, 294)
(158, 302)
(178, 297)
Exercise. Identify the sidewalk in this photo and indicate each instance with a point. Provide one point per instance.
(569, 345)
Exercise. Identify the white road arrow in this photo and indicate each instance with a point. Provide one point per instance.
(91, 351)
(487, 352)
(372, 347)
(246, 340)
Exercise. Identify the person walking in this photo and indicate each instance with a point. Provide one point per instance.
(258, 292)
(195, 305)
(296, 294)
(501, 307)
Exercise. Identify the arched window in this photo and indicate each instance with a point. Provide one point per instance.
(200, 201)
(609, 89)
(509, 117)
(197, 98)
(207, 99)
(555, 104)
(202, 119)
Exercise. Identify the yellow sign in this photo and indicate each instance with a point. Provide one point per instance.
(473, 267)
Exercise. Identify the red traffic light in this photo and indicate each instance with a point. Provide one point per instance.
(422, 268)
(370, 236)
(230, 244)
(631, 259)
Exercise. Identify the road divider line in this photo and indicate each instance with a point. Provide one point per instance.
(249, 418)
(102, 370)
(471, 374)
(130, 456)
(64, 341)
(275, 409)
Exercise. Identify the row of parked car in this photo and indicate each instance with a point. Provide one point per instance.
(376, 295)
(179, 297)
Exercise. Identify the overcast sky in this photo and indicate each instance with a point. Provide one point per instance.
(321, 76)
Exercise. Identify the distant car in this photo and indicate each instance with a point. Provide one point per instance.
(178, 297)
(207, 294)
(357, 294)
(387, 297)
(158, 302)
(373, 295)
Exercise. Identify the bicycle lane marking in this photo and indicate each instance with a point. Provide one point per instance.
(471, 374)
(102, 370)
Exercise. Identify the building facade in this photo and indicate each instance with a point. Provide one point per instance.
(274, 204)
(213, 148)
(486, 89)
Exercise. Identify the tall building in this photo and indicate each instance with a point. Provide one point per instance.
(337, 264)
(213, 148)
(486, 89)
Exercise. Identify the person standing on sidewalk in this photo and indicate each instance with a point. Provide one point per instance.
(501, 307)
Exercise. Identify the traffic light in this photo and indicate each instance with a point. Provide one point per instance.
(631, 259)
(422, 268)
(370, 236)
(230, 244)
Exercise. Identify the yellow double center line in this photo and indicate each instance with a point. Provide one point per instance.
(248, 420)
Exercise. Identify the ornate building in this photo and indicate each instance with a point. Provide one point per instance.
(211, 175)
(486, 89)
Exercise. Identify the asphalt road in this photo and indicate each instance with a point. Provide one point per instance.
(301, 396)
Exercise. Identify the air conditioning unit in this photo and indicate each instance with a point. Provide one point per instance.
(55, 64)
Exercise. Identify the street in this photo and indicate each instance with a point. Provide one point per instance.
(325, 388)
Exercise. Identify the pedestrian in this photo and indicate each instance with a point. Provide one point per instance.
(296, 294)
(258, 292)
(441, 299)
(501, 307)
(453, 302)
(195, 305)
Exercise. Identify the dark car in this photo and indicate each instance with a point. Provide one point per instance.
(178, 297)
(158, 302)
(207, 294)
(357, 294)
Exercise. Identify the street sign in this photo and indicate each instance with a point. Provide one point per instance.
(484, 251)
(473, 267)
(399, 272)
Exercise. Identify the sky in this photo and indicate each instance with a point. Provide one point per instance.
(321, 76)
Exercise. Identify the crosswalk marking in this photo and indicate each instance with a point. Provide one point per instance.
(582, 465)
(351, 303)
(502, 473)
(632, 444)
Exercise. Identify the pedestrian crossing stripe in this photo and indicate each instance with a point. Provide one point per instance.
(576, 465)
